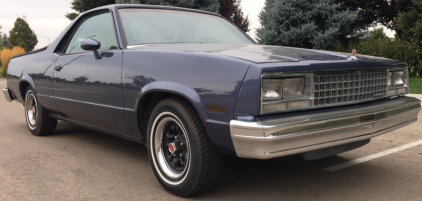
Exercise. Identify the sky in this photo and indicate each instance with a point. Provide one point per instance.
(46, 17)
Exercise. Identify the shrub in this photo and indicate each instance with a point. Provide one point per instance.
(401, 50)
(2, 72)
(6, 55)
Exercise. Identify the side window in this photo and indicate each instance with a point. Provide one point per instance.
(99, 27)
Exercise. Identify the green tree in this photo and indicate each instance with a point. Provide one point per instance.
(410, 24)
(1, 42)
(4, 41)
(207, 5)
(81, 6)
(320, 24)
(372, 12)
(231, 10)
(378, 33)
(22, 35)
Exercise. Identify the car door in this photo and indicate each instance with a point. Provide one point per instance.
(88, 90)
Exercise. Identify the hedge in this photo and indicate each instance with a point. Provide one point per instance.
(401, 50)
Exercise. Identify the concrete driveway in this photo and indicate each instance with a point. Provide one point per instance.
(79, 164)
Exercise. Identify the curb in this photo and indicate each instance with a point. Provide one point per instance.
(418, 96)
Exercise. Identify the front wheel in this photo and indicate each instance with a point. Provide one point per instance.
(181, 155)
(37, 118)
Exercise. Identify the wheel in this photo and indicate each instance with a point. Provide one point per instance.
(37, 118)
(181, 155)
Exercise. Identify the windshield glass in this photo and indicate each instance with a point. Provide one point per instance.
(146, 26)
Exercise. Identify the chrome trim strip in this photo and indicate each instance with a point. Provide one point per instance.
(346, 121)
(264, 141)
(285, 100)
(134, 46)
(84, 102)
(350, 71)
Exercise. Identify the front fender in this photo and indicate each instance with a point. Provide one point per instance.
(176, 88)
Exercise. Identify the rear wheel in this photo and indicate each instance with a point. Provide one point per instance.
(181, 155)
(37, 118)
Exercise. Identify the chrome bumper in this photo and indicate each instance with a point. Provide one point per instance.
(294, 133)
(7, 94)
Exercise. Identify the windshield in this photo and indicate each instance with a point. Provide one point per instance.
(146, 26)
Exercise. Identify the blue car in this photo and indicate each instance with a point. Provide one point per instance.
(194, 88)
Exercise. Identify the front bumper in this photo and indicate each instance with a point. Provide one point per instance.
(281, 135)
(7, 94)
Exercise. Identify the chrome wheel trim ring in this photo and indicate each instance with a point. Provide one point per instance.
(156, 149)
(31, 110)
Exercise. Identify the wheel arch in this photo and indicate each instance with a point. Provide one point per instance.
(24, 82)
(152, 93)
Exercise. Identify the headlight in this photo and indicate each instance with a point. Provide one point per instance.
(398, 78)
(284, 93)
(293, 87)
(398, 82)
(272, 89)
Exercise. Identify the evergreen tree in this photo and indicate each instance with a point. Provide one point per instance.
(231, 10)
(207, 5)
(227, 8)
(410, 24)
(22, 35)
(378, 33)
(4, 41)
(1, 42)
(320, 24)
(81, 6)
(372, 12)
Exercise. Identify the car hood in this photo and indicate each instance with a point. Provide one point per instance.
(269, 54)
(252, 53)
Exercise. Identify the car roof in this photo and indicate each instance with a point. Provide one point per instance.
(117, 6)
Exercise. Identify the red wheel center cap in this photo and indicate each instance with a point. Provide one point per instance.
(172, 147)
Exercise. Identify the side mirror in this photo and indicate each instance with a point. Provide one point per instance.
(91, 45)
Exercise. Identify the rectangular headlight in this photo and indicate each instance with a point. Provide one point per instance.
(293, 87)
(272, 89)
(286, 92)
(389, 78)
(398, 78)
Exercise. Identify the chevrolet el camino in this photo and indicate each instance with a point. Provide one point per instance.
(193, 88)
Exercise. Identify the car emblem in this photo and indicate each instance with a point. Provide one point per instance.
(172, 147)
(354, 52)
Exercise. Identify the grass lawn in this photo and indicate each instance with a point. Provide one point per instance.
(415, 86)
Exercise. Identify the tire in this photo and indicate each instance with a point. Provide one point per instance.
(37, 119)
(181, 155)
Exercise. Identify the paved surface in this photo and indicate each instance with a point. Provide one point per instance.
(80, 164)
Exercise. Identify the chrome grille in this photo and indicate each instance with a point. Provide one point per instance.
(349, 88)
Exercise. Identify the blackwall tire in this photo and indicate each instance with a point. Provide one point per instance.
(181, 155)
(37, 118)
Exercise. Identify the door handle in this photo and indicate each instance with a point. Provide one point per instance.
(58, 68)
